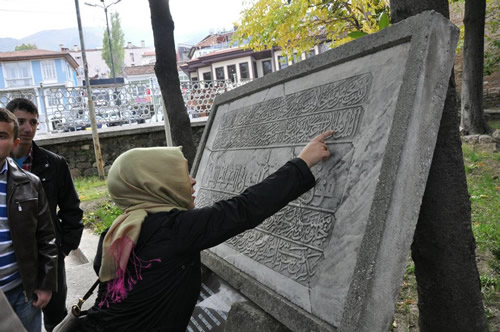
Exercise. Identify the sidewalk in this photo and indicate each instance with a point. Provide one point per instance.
(80, 275)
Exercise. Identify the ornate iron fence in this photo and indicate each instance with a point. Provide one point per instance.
(65, 109)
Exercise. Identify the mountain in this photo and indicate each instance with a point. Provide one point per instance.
(51, 39)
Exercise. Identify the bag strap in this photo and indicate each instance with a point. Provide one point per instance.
(91, 290)
(76, 309)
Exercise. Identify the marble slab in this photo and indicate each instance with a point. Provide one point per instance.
(334, 258)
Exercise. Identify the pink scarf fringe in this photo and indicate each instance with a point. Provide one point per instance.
(116, 290)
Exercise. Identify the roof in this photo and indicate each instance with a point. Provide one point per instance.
(37, 54)
(215, 39)
(225, 54)
(139, 70)
(150, 53)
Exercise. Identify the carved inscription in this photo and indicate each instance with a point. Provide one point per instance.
(298, 117)
(292, 241)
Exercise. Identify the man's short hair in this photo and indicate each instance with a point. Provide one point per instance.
(9, 117)
(22, 104)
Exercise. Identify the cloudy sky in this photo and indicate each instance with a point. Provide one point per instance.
(21, 18)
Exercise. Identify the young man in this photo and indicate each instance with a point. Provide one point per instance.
(28, 253)
(53, 171)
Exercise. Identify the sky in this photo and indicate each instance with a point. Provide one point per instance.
(21, 18)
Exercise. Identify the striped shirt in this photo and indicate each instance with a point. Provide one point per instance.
(9, 273)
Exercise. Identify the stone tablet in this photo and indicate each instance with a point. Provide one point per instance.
(334, 258)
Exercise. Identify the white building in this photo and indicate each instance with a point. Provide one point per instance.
(134, 56)
(213, 59)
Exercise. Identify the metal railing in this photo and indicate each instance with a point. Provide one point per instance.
(63, 109)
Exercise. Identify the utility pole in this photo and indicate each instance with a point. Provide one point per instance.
(109, 35)
(90, 102)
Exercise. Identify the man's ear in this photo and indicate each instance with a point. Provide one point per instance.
(16, 143)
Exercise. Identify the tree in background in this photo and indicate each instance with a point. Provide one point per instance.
(168, 77)
(117, 44)
(299, 25)
(443, 248)
(492, 51)
(473, 121)
(24, 47)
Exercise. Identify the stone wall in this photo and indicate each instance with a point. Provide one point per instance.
(78, 148)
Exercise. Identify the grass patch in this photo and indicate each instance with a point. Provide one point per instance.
(90, 188)
(494, 124)
(483, 179)
(99, 210)
(102, 216)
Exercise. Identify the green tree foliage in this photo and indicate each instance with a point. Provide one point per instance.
(24, 47)
(117, 44)
(298, 25)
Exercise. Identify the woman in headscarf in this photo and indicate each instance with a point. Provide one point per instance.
(148, 261)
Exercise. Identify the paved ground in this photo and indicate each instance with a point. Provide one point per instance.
(80, 274)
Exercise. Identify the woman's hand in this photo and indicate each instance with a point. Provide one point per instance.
(316, 150)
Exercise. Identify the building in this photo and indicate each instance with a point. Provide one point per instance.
(214, 59)
(134, 56)
(27, 69)
(39, 75)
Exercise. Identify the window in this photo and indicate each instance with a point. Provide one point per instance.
(207, 79)
(296, 58)
(282, 62)
(52, 99)
(219, 73)
(67, 71)
(183, 77)
(231, 72)
(207, 76)
(132, 57)
(18, 74)
(244, 73)
(310, 54)
(48, 71)
(267, 67)
(255, 75)
(322, 48)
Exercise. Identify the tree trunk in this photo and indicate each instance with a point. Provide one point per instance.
(473, 121)
(168, 77)
(449, 294)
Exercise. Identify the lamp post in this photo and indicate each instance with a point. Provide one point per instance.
(90, 102)
(109, 35)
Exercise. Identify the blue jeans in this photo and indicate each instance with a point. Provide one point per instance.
(30, 316)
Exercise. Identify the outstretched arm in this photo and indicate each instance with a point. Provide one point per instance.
(203, 228)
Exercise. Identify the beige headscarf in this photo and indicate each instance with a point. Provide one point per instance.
(140, 181)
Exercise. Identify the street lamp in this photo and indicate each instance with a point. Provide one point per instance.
(109, 36)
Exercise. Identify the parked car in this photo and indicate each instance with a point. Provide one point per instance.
(82, 124)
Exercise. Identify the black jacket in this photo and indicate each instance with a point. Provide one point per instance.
(31, 230)
(53, 171)
(165, 297)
